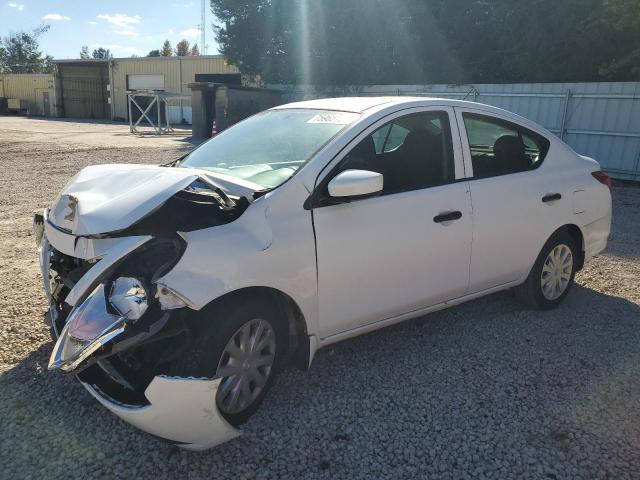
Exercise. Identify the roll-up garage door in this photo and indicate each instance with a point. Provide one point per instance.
(84, 91)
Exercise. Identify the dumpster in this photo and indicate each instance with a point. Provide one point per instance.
(216, 106)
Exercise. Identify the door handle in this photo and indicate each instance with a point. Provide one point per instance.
(447, 216)
(551, 197)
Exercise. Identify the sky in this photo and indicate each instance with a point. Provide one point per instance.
(124, 27)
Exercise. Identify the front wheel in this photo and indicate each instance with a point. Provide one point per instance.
(246, 365)
(552, 274)
(243, 342)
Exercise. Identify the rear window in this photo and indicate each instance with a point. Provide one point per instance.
(499, 147)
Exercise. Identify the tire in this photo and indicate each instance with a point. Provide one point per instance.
(221, 324)
(531, 292)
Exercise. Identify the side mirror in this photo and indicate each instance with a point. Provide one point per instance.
(355, 183)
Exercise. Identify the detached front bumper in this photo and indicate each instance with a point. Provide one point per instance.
(180, 410)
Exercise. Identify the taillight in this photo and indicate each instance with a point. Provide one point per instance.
(602, 177)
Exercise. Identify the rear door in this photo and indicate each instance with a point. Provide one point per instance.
(397, 252)
(518, 196)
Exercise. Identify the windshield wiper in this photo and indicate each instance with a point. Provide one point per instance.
(202, 187)
(174, 163)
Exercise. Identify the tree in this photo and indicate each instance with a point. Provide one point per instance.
(84, 52)
(101, 52)
(166, 50)
(182, 48)
(154, 53)
(194, 52)
(299, 41)
(619, 36)
(19, 53)
(47, 64)
(332, 42)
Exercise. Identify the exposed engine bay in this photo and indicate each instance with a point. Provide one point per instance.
(199, 205)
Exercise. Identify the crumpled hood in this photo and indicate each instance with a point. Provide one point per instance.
(108, 198)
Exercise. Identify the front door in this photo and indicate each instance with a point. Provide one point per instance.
(407, 248)
(46, 106)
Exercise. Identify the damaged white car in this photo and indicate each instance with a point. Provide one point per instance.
(177, 292)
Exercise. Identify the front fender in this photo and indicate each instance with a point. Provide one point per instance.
(265, 247)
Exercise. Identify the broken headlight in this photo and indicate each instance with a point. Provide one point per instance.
(89, 327)
(129, 297)
(115, 307)
(93, 323)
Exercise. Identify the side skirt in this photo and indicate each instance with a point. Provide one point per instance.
(413, 314)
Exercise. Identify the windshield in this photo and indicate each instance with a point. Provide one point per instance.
(269, 147)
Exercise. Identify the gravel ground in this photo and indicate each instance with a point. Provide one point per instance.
(484, 390)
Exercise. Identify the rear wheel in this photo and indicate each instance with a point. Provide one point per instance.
(552, 274)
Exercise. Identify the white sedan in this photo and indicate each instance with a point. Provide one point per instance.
(177, 292)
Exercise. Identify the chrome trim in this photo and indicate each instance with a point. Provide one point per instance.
(88, 351)
(116, 326)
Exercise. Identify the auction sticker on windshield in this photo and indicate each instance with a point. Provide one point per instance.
(333, 118)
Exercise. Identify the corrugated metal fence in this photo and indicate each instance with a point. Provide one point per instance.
(601, 120)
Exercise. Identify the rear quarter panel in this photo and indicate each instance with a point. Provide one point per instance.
(585, 203)
(592, 205)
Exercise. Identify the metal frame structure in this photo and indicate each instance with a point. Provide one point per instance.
(159, 98)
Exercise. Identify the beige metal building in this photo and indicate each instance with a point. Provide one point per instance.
(38, 90)
(98, 88)
(171, 74)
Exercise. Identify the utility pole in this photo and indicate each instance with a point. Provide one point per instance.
(203, 28)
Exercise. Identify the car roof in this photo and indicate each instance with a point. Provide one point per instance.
(370, 105)
(349, 104)
(362, 104)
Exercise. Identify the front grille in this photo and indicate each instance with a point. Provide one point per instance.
(64, 273)
(116, 382)
(123, 377)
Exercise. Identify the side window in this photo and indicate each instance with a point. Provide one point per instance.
(411, 152)
(380, 137)
(499, 147)
(397, 134)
